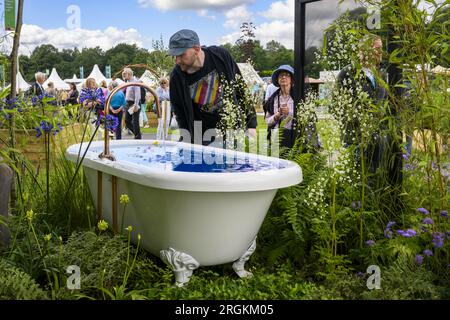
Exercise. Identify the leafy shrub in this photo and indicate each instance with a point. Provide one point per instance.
(17, 285)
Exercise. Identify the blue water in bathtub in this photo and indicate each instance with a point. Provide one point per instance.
(172, 158)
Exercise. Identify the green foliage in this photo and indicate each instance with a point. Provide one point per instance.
(405, 281)
(18, 285)
(282, 283)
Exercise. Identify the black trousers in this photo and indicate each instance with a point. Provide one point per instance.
(132, 121)
(118, 131)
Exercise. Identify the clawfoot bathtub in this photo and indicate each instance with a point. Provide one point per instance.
(190, 213)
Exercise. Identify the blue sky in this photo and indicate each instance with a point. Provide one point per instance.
(215, 21)
(107, 23)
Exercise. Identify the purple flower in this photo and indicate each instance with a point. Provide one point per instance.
(370, 243)
(111, 122)
(427, 221)
(92, 95)
(390, 224)
(407, 233)
(388, 233)
(356, 204)
(428, 252)
(406, 156)
(418, 259)
(444, 213)
(438, 239)
(360, 274)
(423, 210)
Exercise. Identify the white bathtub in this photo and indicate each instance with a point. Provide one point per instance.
(189, 219)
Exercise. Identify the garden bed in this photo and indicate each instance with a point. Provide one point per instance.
(33, 148)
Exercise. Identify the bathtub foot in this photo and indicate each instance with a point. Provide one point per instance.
(238, 266)
(182, 264)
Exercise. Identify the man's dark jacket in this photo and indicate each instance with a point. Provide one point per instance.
(35, 90)
(377, 94)
(180, 95)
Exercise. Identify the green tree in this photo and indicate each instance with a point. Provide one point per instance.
(43, 57)
(246, 41)
(89, 57)
(159, 59)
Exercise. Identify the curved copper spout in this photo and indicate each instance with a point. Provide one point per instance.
(106, 152)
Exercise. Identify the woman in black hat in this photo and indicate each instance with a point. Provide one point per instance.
(279, 108)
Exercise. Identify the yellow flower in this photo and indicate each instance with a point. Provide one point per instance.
(30, 215)
(124, 199)
(139, 237)
(48, 237)
(102, 225)
(155, 143)
(129, 228)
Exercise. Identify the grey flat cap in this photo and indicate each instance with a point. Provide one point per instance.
(181, 41)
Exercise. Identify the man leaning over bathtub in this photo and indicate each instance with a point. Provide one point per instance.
(195, 87)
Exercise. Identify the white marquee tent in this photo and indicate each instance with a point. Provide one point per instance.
(57, 81)
(73, 80)
(97, 75)
(22, 85)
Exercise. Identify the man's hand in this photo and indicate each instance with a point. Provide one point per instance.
(135, 109)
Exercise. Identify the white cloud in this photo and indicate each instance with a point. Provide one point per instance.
(204, 13)
(236, 16)
(166, 5)
(62, 38)
(280, 10)
(280, 31)
(280, 26)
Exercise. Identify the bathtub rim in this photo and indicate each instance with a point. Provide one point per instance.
(190, 181)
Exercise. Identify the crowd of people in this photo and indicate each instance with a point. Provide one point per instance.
(129, 105)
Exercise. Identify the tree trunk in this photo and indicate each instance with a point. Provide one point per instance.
(13, 94)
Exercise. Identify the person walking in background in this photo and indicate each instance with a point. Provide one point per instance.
(117, 106)
(37, 88)
(72, 97)
(51, 91)
(133, 97)
(271, 88)
(163, 93)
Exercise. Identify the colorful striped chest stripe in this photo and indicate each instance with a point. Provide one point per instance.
(206, 92)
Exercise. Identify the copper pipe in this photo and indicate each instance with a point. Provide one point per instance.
(114, 202)
(99, 195)
(106, 152)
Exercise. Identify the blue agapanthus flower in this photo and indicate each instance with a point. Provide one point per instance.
(444, 214)
(427, 221)
(423, 210)
(46, 128)
(428, 252)
(110, 122)
(92, 95)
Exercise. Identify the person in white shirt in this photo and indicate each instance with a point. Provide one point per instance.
(133, 98)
